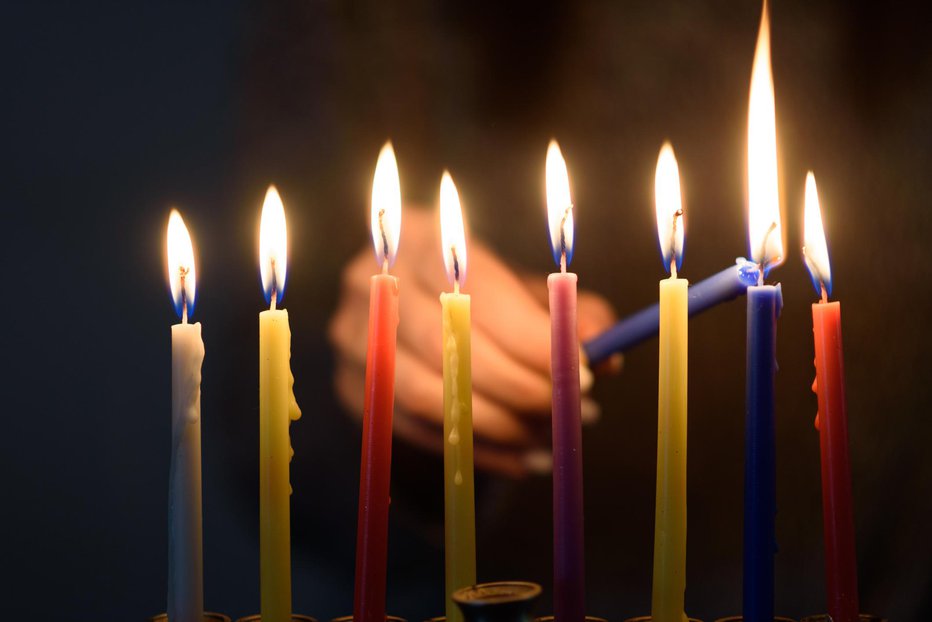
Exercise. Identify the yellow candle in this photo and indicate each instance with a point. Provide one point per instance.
(669, 586)
(459, 495)
(277, 408)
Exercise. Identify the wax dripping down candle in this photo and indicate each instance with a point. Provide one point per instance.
(376, 457)
(459, 496)
(185, 542)
(669, 584)
(569, 602)
(841, 578)
(765, 238)
(277, 408)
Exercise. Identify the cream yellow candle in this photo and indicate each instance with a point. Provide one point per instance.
(459, 495)
(185, 524)
(277, 408)
(669, 585)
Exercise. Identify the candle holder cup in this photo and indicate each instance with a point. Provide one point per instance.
(350, 619)
(824, 617)
(501, 601)
(295, 617)
(208, 617)
(741, 619)
(650, 619)
(588, 619)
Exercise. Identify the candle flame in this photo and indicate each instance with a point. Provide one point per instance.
(452, 231)
(273, 247)
(386, 207)
(668, 200)
(815, 249)
(765, 233)
(559, 206)
(182, 277)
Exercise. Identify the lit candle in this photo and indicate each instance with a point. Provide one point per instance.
(376, 459)
(638, 327)
(669, 586)
(841, 577)
(569, 583)
(277, 408)
(459, 497)
(185, 543)
(765, 237)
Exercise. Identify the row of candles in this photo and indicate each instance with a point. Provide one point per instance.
(677, 302)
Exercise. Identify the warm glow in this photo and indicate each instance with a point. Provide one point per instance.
(273, 246)
(452, 231)
(181, 274)
(559, 205)
(765, 233)
(386, 207)
(815, 250)
(668, 200)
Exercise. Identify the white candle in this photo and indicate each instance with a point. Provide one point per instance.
(185, 544)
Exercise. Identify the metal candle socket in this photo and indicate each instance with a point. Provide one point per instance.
(551, 619)
(501, 601)
(350, 619)
(741, 619)
(650, 619)
(824, 617)
(295, 617)
(208, 617)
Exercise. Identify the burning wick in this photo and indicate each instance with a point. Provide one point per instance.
(384, 241)
(566, 214)
(182, 273)
(676, 216)
(763, 253)
(456, 270)
(274, 296)
(814, 266)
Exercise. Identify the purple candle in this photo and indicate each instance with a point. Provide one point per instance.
(569, 583)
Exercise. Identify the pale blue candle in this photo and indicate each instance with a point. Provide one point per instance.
(634, 329)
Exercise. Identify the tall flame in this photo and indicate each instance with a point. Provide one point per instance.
(765, 232)
(182, 277)
(452, 231)
(668, 201)
(559, 206)
(273, 247)
(386, 207)
(815, 249)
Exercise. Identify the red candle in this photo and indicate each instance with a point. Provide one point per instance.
(841, 581)
(376, 461)
(569, 582)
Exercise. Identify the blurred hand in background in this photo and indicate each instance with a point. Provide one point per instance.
(510, 348)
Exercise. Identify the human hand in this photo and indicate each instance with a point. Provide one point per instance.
(510, 349)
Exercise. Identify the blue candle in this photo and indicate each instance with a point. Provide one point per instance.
(760, 495)
(632, 330)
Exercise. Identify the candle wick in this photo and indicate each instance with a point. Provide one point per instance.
(274, 296)
(677, 215)
(563, 249)
(183, 272)
(456, 269)
(824, 291)
(384, 239)
(763, 254)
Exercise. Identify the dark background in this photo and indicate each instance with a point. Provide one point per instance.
(113, 112)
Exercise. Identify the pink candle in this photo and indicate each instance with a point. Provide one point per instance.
(569, 583)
